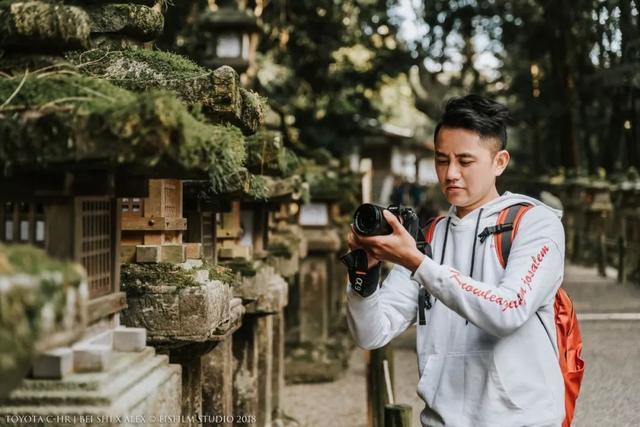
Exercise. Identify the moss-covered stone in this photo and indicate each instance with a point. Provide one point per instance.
(266, 154)
(33, 304)
(245, 267)
(135, 279)
(281, 249)
(234, 104)
(217, 92)
(134, 20)
(253, 106)
(222, 274)
(141, 70)
(38, 26)
(142, 2)
(66, 118)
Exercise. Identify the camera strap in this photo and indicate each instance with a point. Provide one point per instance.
(363, 280)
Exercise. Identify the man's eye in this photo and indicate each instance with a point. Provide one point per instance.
(441, 162)
(465, 163)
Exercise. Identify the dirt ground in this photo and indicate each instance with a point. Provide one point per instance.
(342, 403)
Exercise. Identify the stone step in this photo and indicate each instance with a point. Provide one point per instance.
(102, 388)
(153, 394)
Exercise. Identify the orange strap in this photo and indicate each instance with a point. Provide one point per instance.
(430, 229)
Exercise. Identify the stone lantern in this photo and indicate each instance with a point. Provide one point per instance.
(317, 341)
(107, 136)
(598, 210)
(230, 32)
(626, 199)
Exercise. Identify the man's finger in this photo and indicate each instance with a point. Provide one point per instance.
(393, 221)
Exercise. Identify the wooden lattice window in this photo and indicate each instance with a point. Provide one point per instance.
(95, 243)
(22, 222)
(132, 206)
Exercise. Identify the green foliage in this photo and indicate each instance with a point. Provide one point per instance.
(266, 154)
(62, 118)
(332, 184)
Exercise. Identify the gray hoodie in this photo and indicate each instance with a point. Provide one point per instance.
(484, 357)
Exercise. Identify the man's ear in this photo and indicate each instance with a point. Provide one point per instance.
(501, 161)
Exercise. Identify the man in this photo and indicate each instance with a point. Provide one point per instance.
(484, 355)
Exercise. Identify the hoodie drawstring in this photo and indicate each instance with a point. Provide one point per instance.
(446, 235)
(473, 251)
(475, 237)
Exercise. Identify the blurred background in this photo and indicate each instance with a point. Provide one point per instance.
(189, 169)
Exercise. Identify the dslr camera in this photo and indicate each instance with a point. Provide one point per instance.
(368, 220)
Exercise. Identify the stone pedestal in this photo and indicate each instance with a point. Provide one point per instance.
(218, 370)
(187, 322)
(317, 341)
(257, 350)
(138, 387)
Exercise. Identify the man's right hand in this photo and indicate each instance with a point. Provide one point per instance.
(351, 242)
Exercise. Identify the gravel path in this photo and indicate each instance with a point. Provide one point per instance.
(342, 403)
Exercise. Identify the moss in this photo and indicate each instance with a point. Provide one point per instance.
(136, 279)
(258, 188)
(217, 92)
(143, 69)
(67, 118)
(281, 249)
(253, 108)
(342, 186)
(39, 26)
(29, 260)
(133, 20)
(222, 274)
(266, 154)
(32, 298)
(246, 268)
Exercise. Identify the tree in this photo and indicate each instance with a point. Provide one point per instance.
(566, 68)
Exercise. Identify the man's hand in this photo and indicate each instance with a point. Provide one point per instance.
(351, 242)
(398, 247)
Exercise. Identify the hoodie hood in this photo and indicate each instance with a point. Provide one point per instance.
(495, 206)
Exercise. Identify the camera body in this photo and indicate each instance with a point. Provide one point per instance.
(368, 220)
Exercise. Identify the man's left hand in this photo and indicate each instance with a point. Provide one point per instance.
(398, 247)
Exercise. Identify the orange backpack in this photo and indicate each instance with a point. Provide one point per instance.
(567, 328)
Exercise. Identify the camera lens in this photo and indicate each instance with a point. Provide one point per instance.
(368, 220)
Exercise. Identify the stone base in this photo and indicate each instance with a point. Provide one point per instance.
(317, 362)
(179, 316)
(266, 292)
(139, 388)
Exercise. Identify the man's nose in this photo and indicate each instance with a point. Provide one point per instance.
(453, 173)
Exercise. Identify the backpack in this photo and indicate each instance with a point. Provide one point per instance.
(567, 328)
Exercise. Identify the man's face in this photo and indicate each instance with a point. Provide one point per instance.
(466, 166)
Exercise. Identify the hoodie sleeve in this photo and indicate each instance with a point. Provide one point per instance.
(533, 275)
(377, 319)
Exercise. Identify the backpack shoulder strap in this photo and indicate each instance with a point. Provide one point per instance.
(424, 299)
(430, 228)
(508, 220)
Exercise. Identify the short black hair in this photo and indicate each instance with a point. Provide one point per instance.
(476, 113)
